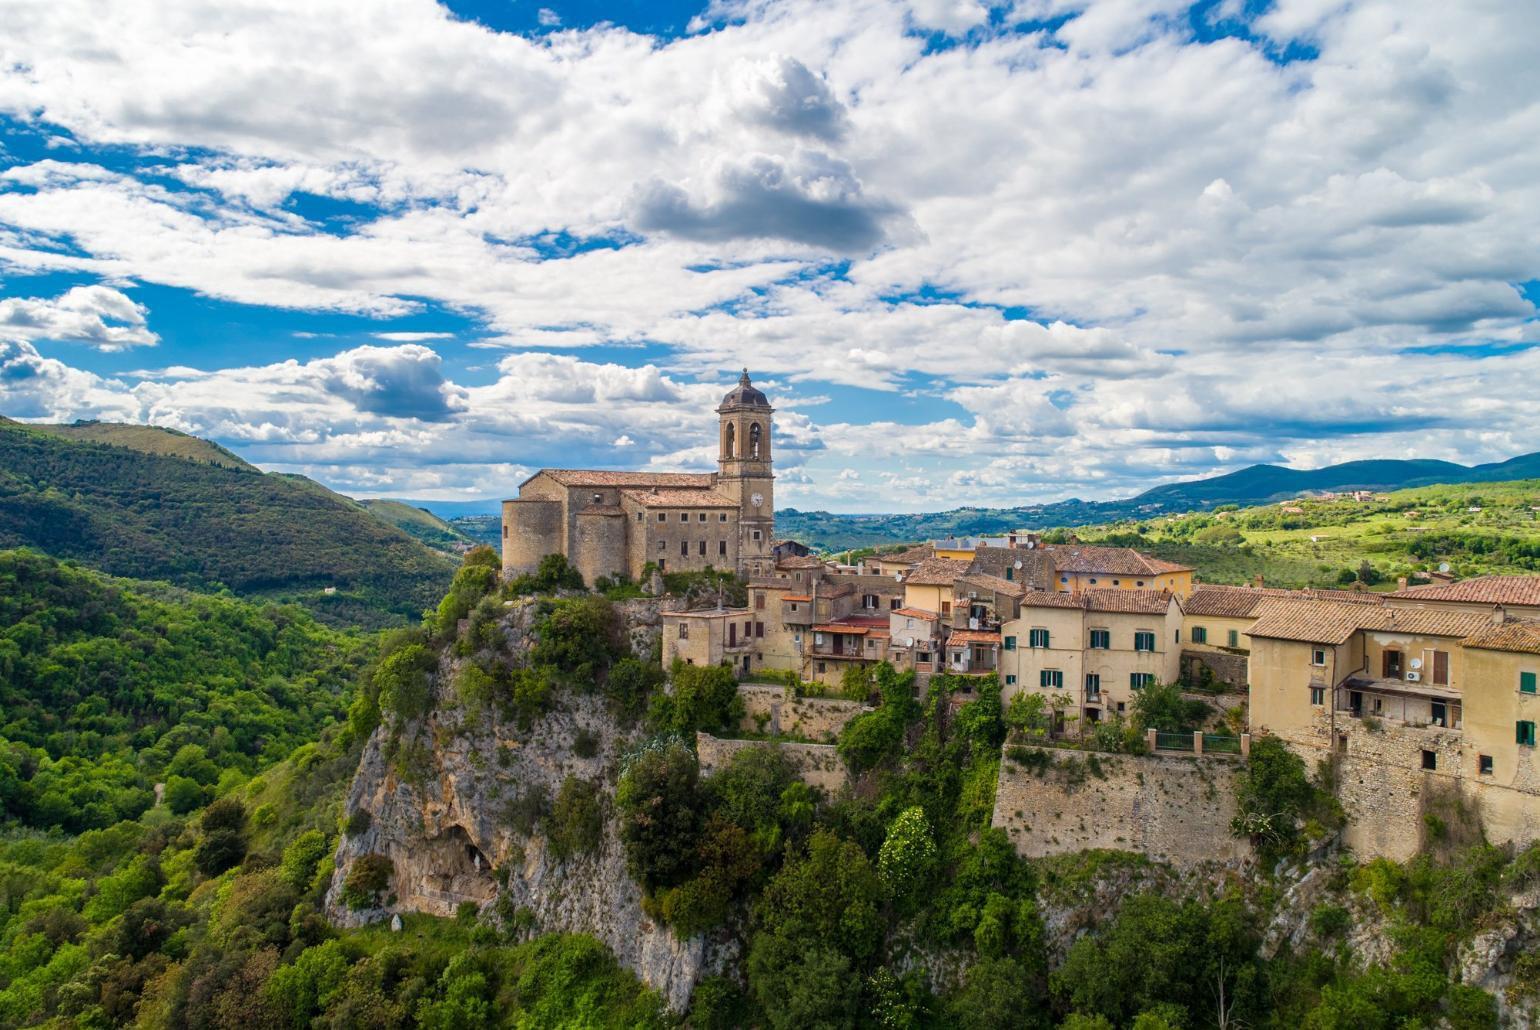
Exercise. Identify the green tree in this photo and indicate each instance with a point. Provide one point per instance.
(659, 802)
(908, 855)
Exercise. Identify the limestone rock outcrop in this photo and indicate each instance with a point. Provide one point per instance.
(443, 793)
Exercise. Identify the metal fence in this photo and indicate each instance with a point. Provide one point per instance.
(1219, 743)
(1173, 741)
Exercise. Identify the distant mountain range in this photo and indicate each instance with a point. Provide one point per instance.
(1256, 484)
(152, 503)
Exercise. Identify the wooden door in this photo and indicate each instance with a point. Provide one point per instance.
(1441, 667)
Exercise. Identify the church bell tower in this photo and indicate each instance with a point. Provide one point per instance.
(744, 464)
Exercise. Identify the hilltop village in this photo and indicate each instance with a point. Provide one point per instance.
(1412, 693)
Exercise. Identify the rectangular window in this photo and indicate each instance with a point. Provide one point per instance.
(759, 600)
(946, 607)
(1010, 645)
(1101, 639)
(794, 606)
(505, 531)
(722, 517)
(1526, 683)
(1484, 764)
(662, 546)
(1093, 686)
(1050, 678)
(1318, 696)
(1318, 656)
(1429, 759)
(684, 548)
(702, 548)
(759, 629)
(662, 516)
(702, 517)
(1234, 638)
(722, 548)
(1524, 732)
(1441, 668)
(1037, 638)
(1010, 681)
(1199, 635)
(1144, 640)
(758, 535)
(684, 631)
(895, 603)
(1140, 680)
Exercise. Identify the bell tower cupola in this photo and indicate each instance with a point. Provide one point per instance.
(744, 472)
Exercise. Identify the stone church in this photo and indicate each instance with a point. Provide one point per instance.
(614, 523)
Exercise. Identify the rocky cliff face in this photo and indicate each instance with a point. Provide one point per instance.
(443, 794)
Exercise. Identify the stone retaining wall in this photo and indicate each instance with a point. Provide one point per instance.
(777, 710)
(818, 765)
(1174, 809)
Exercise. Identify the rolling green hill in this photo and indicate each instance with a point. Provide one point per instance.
(148, 439)
(1257, 484)
(1474, 528)
(152, 515)
(420, 524)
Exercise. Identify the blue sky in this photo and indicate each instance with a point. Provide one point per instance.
(976, 253)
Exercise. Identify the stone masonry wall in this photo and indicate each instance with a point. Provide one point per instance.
(818, 765)
(776, 710)
(1225, 666)
(1174, 809)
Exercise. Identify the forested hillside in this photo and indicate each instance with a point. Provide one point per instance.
(154, 516)
(420, 524)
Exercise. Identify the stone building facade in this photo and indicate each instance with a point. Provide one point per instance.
(611, 523)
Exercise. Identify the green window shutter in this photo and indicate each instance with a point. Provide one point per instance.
(1525, 733)
(1199, 635)
(1045, 638)
(1042, 678)
(1235, 638)
(1010, 643)
(1526, 683)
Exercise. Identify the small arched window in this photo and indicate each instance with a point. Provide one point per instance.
(732, 440)
(754, 432)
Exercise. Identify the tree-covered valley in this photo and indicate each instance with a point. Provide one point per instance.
(895, 905)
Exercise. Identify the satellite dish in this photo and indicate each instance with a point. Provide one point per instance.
(1018, 564)
(1416, 663)
(908, 641)
(1443, 566)
(898, 577)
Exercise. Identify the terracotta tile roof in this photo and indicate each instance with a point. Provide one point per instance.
(1481, 590)
(679, 498)
(710, 613)
(797, 561)
(1315, 622)
(603, 509)
(972, 636)
(1334, 622)
(766, 583)
(1108, 561)
(1049, 599)
(1522, 637)
(1030, 567)
(996, 583)
(1242, 602)
(839, 627)
(600, 477)
(936, 572)
(1131, 602)
(912, 556)
(797, 597)
(915, 613)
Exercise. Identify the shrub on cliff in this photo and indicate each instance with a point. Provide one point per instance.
(401, 681)
(1274, 796)
(367, 880)
(704, 697)
(576, 820)
(475, 579)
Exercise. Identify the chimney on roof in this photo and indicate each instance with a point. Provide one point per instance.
(1499, 615)
(1257, 581)
(1400, 582)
